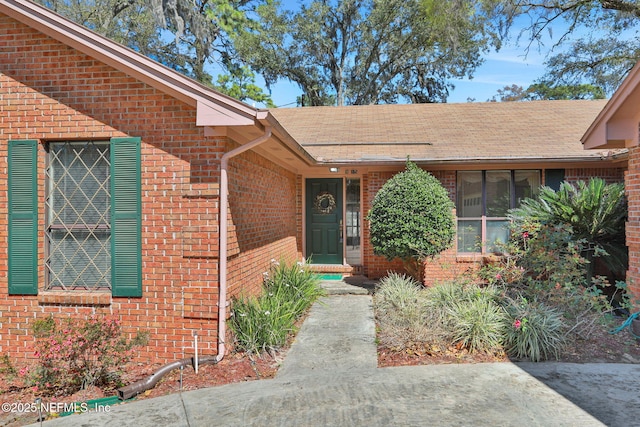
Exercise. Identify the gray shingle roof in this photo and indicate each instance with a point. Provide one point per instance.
(542, 130)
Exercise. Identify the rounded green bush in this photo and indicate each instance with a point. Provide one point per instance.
(411, 216)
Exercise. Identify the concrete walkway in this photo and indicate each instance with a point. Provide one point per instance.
(329, 378)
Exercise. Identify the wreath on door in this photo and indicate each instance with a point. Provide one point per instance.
(325, 203)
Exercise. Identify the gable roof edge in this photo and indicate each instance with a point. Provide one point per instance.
(597, 135)
(218, 109)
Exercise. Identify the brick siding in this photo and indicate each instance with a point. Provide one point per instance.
(49, 91)
(610, 175)
(448, 264)
(632, 189)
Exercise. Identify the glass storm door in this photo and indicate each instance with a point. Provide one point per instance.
(324, 220)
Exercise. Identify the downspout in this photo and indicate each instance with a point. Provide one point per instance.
(224, 203)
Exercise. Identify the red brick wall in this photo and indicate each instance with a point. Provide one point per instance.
(610, 175)
(263, 212)
(50, 91)
(632, 189)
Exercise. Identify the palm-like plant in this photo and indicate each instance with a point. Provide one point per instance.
(595, 212)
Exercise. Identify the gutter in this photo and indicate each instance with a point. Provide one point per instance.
(223, 238)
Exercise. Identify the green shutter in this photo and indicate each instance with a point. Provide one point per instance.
(23, 217)
(126, 218)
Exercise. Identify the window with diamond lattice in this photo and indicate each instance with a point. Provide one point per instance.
(78, 223)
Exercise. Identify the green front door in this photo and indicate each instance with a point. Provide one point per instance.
(324, 220)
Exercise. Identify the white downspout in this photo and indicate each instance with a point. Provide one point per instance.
(223, 238)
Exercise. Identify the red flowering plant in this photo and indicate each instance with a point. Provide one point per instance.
(76, 353)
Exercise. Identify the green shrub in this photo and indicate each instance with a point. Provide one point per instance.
(76, 353)
(6, 367)
(534, 331)
(398, 293)
(411, 218)
(296, 284)
(593, 212)
(403, 318)
(263, 323)
(477, 323)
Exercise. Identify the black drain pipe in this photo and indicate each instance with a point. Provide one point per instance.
(132, 390)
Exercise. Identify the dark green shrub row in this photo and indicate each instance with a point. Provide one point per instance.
(263, 323)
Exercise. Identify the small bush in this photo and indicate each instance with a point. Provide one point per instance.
(444, 314)
(403, 318)
(477, 324)
(6, 367)
(76, 353)
(411, 218)
(535, 331)
(263, 323)
(399, 292)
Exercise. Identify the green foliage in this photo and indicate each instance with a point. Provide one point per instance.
(597, 43)
(534, 331)
(472, 315)
(552, 257)
(240, 83)
(445, 314)
(368, 52)
(76, 353)
(401, 294)
(546, 90)
(477, 323)
(593, 212)
(263, 323)
(553, 91)
(190, 37)
(6, 367)
(403, 316)
(411, 217)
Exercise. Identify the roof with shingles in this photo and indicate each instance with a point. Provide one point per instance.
(542, 130)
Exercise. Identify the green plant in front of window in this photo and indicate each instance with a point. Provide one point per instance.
(471, 315)
(594, 212)
(411, 218)
(533, 330)
(74, 354)
(263, 322)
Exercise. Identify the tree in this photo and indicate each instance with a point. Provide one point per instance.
(411, 218)
(602, 61)
(190, 36)
(548, 90)
(510, 94)
(240, 84)
(367, 51)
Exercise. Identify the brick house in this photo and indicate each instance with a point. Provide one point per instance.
(617, 127)
(117, 168)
